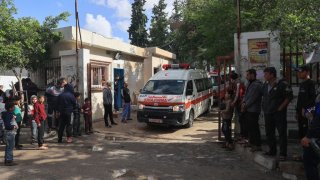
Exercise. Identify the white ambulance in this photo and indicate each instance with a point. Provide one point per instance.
(175, 96)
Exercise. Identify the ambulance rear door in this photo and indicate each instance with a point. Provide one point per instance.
(190, 94)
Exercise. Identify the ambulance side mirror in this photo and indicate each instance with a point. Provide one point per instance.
(189, 92)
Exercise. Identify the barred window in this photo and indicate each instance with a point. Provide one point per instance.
(98, 72)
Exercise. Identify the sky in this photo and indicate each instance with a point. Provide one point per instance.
(110, 18)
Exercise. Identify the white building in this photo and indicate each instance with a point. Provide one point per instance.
(100, 58)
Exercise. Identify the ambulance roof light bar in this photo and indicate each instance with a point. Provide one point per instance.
(175, 66)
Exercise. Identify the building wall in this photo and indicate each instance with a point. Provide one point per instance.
(134, 75)
(151, 63)
(61, 46)
(157, 62)
(147, 71)
(99, 55)
(138, 63)
(97, 105)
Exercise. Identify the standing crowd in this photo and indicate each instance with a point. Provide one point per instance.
(272, 98)
(62, 114)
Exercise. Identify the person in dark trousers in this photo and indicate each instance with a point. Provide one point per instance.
(66, 102)
(125, 94)
(116, 92)
(251, 107)
(52, 94)
(107, 103)
(87, 114)
(227, 114)
(18, 114)
(310, 158)
(306, 97)
(276, 97)
(76, 116)
(11, 127)
(40, 117)
(238, 88)
(32, 121)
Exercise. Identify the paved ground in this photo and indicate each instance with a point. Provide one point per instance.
(135, 151)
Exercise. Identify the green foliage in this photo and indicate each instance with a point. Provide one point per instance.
(159, 26)
(207, 30)
(137, 30)
(297, 20)
(208, 26)
(24, 42)
(175, 22)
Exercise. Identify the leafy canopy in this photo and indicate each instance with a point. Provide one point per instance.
(24, 42)
(137, 30)
(159, 26)
(207, 26)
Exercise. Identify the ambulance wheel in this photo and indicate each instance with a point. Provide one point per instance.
(149, 125)
(208, 107)
(190, 121)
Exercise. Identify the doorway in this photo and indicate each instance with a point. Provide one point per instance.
(118, 87)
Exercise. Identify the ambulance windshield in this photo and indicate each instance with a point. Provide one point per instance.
(174, 87)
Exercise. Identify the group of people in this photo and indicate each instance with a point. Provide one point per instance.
(272, 98)
(64, 111)
(62, 114)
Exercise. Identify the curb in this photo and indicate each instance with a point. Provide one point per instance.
(291, 170)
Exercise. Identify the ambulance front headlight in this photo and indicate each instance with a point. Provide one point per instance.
(178, 108)
(140, 106)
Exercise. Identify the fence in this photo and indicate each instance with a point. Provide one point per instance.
(294, 58)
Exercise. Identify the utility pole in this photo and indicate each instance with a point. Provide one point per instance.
(238, 68)
(77, 48)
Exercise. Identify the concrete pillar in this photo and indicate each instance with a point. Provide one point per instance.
(73, 70)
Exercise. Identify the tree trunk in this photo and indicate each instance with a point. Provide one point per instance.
(20, 91)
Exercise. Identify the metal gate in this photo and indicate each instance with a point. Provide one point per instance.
(293, 57)
(52, 71)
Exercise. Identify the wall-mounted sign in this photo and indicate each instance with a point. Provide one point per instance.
(258, 50)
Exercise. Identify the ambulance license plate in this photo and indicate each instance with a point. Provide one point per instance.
(155, 120)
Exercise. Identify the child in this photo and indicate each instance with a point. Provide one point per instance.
(76, 116)
(227, 114)
(40, 117)
(33, 123)
(86, 108)
(2, 109)
(18, 114)
(11, 127)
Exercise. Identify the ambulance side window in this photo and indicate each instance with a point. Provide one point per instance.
(189, 88)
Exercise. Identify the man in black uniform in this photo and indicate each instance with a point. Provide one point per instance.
(276, 97)
(306, 97)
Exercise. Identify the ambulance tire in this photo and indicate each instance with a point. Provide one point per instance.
(208, 107)
(150, 125)
(190, 120)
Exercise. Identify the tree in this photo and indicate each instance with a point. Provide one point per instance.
(24, 42)
(175, 22)
(159, 26)
(297, 20)
(206, 30)
(137, 30)
(176, 15)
